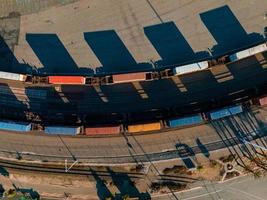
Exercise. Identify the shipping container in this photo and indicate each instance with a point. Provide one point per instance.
(190, 68)
(66, 80)
(13, 76)
(185, 121)
(224, 112)
(103, 130)
(248, 52)
(58, 130)
(144, 127)
(15, 126)
(130, 77)
(36, 93)
(263, 101)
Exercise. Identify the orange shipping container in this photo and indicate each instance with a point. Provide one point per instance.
(144, 127)
(66, 79)
(121, 78)
(105, 130)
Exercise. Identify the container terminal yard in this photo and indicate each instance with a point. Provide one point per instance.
(123, 99)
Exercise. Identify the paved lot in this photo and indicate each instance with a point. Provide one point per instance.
(123, 35)
(245, 188)
(28, 6)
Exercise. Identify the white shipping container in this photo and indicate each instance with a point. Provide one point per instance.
(248, 52)
(191, 68)
(12, 76)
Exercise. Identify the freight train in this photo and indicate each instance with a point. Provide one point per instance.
(136, 76)
(116, 129)
(130, 77)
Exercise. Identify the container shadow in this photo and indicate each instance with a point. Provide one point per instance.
(112, 53)
(227, 31)
(8, 61)
(11, 107)
(171, 45)
(53, 55)
(186, 153)
(237, 133)
(126, 186)
(204, 150)
(102, 191)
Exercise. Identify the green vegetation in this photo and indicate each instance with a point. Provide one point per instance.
(157, 186)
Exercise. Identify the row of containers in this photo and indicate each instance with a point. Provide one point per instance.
(138, 76)
(132, 128)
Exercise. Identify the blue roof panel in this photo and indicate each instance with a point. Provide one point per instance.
(57, 130)
(15, 126)
(186, 121)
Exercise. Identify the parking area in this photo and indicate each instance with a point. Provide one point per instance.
(119, 36)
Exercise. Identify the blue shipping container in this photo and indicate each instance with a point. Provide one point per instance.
(57, 130)
(233, 110)
(186, 121)
(15, 126)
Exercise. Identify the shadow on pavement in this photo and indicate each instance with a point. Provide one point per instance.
(171, 45)
(239, 134)
(102, 190)
(227, 30)
(8, 62)
(11, 106)
(126, 186)
(53, 55)
(202, 148)
(32, 194)
(112, 53)
(187, 155)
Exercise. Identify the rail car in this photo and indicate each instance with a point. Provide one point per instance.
(15, 126)
(59, 130)
(144, 127)
(136, 76)
(261, 101)
(13, 76)
(116, 129)
(185, 121)
(259, 48)
(224, 112)
(103, 130)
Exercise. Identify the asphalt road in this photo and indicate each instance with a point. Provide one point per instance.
(137, 148)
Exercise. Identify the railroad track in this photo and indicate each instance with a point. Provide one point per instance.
(89, 172)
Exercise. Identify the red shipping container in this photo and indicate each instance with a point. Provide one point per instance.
(120, 78)
(263, 101)
(66, 79)
(105, 130)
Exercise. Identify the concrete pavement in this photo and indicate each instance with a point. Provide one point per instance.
(243, 188)
(135, 23)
